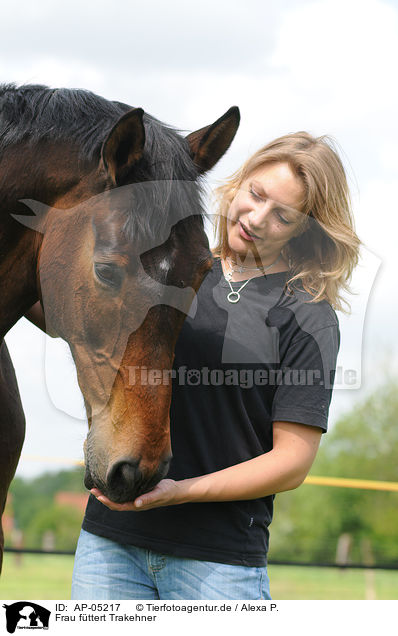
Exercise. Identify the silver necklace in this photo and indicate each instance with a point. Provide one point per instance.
(241, 268)
(234, 295)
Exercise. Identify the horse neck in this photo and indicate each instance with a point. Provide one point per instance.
(17, 275)
(47, 176)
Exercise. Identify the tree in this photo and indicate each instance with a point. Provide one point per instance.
(33, 504)
(63, 522)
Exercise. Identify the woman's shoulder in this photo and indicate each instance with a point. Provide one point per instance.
(298, 307)
(304, 301)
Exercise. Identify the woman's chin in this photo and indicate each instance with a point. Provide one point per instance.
(242, 248)
(238, 245)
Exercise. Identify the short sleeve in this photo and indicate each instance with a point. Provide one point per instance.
(306, 377)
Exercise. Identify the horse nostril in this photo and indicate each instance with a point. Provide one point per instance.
(122, 480)
(126, 472)
(125, 480)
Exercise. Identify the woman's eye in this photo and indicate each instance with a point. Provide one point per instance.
(282, 218)
(109, 273)
(255, 195)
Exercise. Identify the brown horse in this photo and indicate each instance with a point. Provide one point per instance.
(115, 251)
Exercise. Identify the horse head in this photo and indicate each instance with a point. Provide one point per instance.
(118, 272)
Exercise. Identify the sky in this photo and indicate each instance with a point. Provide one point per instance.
(328, 67)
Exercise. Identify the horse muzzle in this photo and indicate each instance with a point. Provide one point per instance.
(125, 480)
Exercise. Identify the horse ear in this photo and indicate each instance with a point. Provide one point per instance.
(124, 145)
(210, 143)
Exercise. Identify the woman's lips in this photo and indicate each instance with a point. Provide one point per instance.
(244, 232)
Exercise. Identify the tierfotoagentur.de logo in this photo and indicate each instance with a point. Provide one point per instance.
(26, 615)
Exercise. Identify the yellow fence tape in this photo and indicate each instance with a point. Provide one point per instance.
(342, 482)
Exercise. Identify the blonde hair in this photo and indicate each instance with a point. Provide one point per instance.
(323, 257)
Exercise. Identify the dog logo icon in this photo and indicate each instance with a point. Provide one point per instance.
(26, 615)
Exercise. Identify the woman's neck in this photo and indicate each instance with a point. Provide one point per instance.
(244, 268)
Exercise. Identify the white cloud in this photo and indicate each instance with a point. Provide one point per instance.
(153, 37)
(337, 49)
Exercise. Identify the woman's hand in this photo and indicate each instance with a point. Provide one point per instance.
(282, 468)
(165, 493)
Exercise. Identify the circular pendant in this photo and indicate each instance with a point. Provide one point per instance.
(233, 297)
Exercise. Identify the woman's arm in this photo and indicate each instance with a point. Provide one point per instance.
(283, 468)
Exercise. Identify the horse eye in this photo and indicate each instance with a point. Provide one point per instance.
(108, 273)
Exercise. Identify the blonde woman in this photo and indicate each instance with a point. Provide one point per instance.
(252, 384)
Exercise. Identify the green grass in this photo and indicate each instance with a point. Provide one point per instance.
(49, 577)
(306, 583)
(36, 577)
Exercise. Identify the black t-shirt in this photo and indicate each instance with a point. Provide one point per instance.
(238, 368)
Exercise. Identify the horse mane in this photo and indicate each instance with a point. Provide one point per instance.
(35, 113)
(38, 113)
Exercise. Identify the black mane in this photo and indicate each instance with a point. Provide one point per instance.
(36, 113)
(30, 114)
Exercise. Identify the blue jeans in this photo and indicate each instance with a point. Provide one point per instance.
(108, 570)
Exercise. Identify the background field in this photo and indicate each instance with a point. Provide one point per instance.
(49, 577)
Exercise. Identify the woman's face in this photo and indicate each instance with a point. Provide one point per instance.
(266, 212)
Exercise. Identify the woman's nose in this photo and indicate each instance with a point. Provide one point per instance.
(258, 216)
